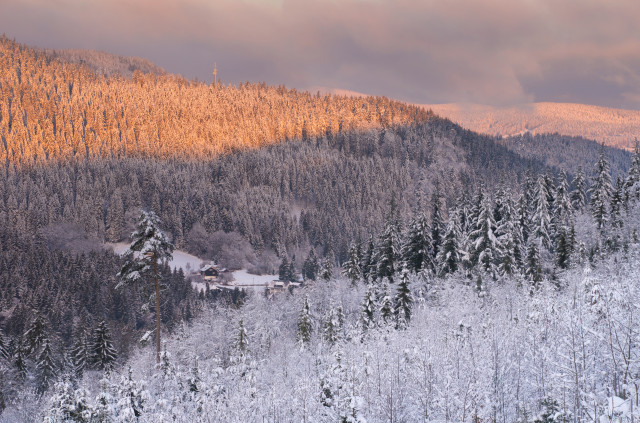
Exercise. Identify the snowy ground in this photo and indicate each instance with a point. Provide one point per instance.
(190, 263)
(185, 261)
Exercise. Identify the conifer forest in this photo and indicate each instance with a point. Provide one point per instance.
(440, 275)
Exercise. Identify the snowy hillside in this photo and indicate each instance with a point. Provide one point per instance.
(499, 356)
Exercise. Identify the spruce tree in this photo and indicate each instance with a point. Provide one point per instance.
(284, 271)
(403, 301)
(579, 193)
(617, 199)
(305, 326)
(326, 269)
(242, 340)
(509, 237)
(4, 347)
(351, 269)
(311, 267)
(103, 354)
(368, 309)
(19, 359)
(563, 249)
(331, 327)
(149, 247)
(601, 192)
(388, 252)
(386, 305)
(632, 182)
(437, 221)
(80, 353)
(541, 220)
(368, 264)
(417, 252)
(563, 210)
(533, 270)
(36, 334)
(449, 256)
(46, 367)
(484, 244)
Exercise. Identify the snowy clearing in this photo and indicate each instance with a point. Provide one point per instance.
(190, 263)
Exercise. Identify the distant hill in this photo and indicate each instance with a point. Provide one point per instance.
(613, 127)
(107, 64)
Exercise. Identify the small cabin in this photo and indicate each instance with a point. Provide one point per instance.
(210, 272)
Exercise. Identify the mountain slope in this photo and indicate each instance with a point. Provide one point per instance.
(613, 127)
(53, 110)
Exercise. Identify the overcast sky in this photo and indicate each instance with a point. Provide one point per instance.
(423, 51)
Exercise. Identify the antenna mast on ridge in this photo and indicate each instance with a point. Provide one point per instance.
(215, 74)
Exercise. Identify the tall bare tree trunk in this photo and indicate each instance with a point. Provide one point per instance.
(155, 278)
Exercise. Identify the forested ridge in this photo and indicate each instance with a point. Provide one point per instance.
(53, 110)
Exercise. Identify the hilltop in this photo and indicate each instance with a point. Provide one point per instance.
(613, 127)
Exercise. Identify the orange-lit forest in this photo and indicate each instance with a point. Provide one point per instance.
(51, 110)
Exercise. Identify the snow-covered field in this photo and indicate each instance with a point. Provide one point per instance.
(185, 261)
(190, 263)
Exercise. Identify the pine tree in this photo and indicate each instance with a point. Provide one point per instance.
(326, 270)
(563, 210)
(305, 327)
(284, 271)
(368, 264)
(368, 309)
(387, 252)
(551, 413)
(484, 244)
(541, 220)
(403, 301)
(533, 270)
(80, 353)
(19, 359)
(149, 246)
(437, 221)
(351, 269)
(242, 340)
(130, 399)
(103, 409)
(311, 267)
(632, 182)
(601, 191)
(510, 238)
(69, 405)
(46, 367)
(417, 252)
(36, 334)
(579, 193)
(617, 200)
(4, 347)
(386, 305)
(563, 249)
(103, 354)
(449, 256)
(331, 327)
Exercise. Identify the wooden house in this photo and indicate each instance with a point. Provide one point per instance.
(211, 273)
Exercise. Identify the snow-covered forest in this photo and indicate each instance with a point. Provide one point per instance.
(447, 276)
(509, 306)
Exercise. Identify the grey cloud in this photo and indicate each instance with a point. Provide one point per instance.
(425, 51)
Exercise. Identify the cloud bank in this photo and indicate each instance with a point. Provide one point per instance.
(423, 51)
